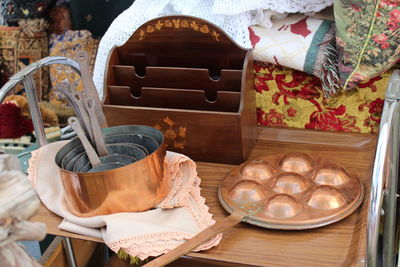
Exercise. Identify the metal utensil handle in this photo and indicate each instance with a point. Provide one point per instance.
(96, 129)
(66, 91)
(90, 88)
(90, 152)
(384, 179)
(206, 234)
(79, 98)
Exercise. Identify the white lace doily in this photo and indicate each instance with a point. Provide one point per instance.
(232, 16)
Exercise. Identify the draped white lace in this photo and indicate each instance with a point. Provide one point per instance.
(233, 16)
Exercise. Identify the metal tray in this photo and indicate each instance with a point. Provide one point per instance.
(291, 192)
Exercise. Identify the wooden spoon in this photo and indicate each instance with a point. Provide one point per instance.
(220, 226)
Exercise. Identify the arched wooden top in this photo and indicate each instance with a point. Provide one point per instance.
(182, 28)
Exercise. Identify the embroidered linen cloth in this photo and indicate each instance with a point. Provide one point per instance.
(179, 217)
(302, 43)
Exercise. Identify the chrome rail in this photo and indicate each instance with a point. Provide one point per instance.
(381, 250)
(25, 76)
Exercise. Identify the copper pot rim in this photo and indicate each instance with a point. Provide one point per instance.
(160, 149)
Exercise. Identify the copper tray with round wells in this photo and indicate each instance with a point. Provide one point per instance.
(292, 191)
(289, 192)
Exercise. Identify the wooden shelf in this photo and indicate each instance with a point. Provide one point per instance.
(340, 244)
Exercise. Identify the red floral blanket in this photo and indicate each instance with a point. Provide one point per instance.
(290, 98)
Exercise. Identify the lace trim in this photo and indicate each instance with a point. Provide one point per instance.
(176, 184)
(148, 245)
(168, 246)
(33, 165)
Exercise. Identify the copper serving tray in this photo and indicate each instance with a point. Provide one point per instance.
(292, 191)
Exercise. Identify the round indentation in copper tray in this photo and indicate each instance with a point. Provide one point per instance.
(326, 197)
(282, 206)
(247, 191)
(331, 174)
(296, 162)
(258, 170)
(290, 183)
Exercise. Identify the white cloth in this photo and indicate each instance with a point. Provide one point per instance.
(281, 45)
(232, 16)
(180, 216)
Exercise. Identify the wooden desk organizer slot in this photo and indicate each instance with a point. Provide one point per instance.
(186, 77)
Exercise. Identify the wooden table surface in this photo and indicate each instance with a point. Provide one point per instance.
(340, 244)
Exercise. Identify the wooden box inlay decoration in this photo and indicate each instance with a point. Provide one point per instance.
(186, 77)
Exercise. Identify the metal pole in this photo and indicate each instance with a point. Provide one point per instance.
(35, 110)
(384, 181)
(390, 198)
(69, 251)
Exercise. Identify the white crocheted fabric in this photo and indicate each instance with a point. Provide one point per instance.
(232, 16)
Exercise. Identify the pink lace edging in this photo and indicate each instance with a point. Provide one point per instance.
(175, 183)
(33, 162)
(147, 245)
(166, 247)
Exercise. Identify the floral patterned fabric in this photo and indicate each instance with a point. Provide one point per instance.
(290, 98)
(21, 46)
(367, 37)
(67, 45)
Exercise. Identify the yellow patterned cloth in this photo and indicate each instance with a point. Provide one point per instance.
(68, 44)
(290, 98)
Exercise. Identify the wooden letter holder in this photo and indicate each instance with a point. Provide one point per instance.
(186, 77)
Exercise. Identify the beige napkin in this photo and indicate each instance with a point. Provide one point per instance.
(179, 217)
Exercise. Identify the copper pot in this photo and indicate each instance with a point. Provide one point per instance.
(136, 187)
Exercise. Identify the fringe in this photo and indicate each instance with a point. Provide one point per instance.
(330, 70)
